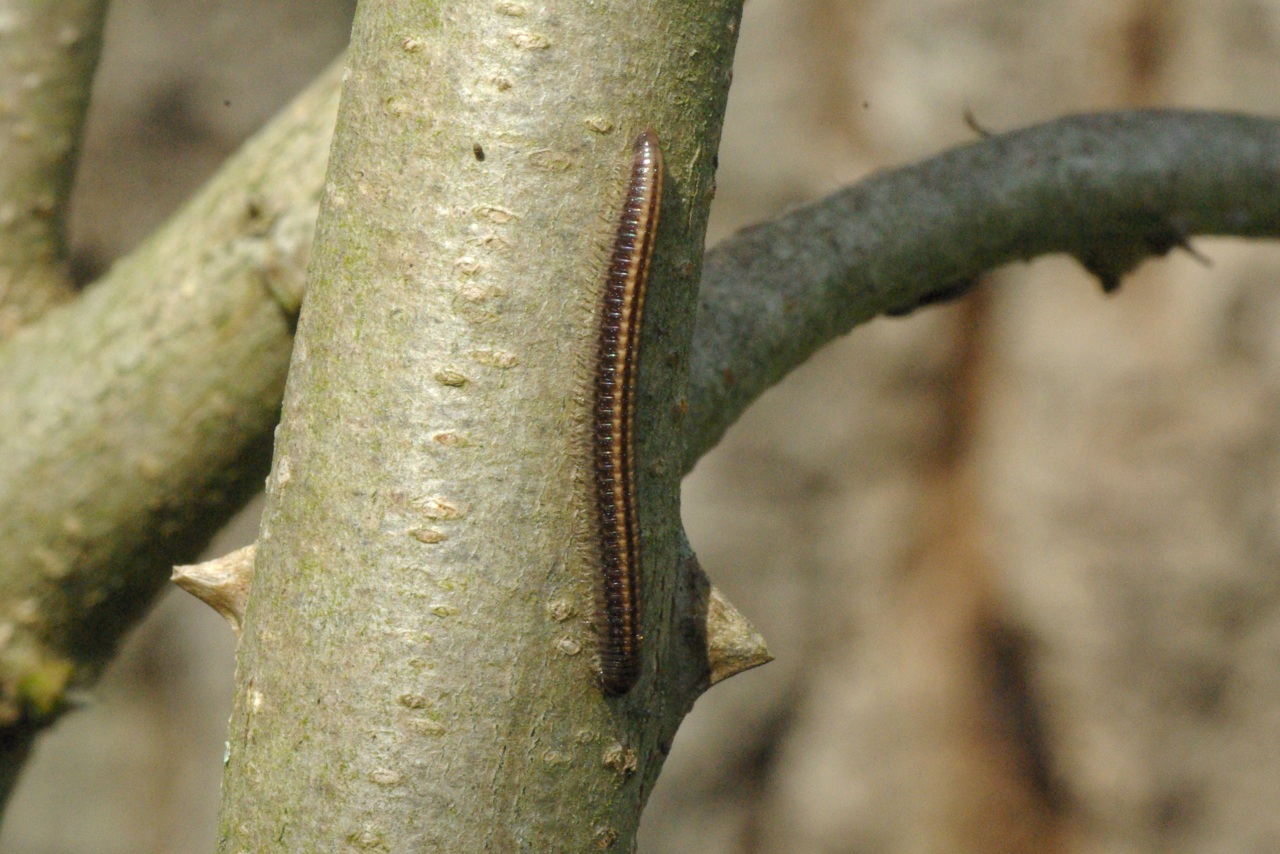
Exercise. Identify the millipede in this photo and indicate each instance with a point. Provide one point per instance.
(613, 415)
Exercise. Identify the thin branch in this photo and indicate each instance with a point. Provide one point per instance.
(1110, 189)
(48, 53)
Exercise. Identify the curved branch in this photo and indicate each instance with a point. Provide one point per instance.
(1110, 189)
(48, 53)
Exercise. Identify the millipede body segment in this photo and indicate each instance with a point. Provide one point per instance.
(613, 433)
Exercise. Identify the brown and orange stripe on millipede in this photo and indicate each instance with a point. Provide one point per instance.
(613, 440)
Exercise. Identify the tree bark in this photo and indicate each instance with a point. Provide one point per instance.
(416, 666)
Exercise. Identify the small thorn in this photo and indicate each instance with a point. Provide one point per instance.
(221, 583)
(733, 644)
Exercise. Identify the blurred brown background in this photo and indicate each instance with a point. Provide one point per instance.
(1016, 557)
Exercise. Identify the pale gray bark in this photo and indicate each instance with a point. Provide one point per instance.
(416, 667)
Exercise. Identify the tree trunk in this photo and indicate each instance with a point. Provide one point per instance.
(416, 670)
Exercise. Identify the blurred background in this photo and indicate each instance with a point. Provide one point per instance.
(1016, 557)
